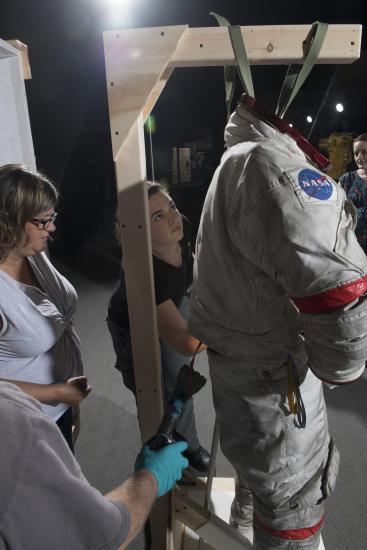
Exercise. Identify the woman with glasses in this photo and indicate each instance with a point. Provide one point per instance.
(172, 266)
(39, 348)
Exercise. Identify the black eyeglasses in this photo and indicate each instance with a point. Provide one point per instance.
(44, 224)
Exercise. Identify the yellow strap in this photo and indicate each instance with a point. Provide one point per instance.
(292, 397)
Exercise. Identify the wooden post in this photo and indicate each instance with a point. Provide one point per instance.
(137, 256)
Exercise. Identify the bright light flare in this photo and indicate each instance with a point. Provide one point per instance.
(117, 12)
(113, 4)
(339, 107)
(309, 119)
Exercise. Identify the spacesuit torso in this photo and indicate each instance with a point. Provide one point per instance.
(279, 286)
(273, 228)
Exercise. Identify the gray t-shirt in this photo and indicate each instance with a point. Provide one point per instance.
(37, 341)
(45, 501)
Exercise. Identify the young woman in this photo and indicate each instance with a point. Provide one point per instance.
(355, 186)
(39, 348)
(172, 265)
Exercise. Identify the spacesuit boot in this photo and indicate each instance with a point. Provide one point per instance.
(242, 511)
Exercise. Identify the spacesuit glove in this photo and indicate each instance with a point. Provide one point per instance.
(166, 464)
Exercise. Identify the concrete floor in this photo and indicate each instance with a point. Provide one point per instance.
(109, 439)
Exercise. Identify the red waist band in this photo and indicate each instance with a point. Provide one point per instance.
(292, 534)
(333, 298)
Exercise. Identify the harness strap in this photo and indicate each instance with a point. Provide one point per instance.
(297, 74)
(243, 65)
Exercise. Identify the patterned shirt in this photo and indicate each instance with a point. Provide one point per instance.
(356, 191)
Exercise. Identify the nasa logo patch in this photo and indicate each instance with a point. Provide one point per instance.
(315, 185)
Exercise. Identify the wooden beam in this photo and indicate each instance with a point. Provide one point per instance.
(140, 61)
(136, 62)
(137, 252)
(23, 49)
(137, 256)
(265, 45)
(156, 92)
(205, 524)
(16, 144)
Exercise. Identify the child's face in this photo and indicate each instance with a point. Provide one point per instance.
(165, 220)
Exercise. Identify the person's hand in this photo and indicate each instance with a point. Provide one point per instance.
(74, 390)
(166, 464)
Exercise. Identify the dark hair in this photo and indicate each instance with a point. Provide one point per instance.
(362, 137)
(153, 188)
(23, 195)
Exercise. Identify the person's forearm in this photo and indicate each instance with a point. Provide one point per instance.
(46, 393)
(173, 329)
(71, 392)
(137, 493)
(186, 344)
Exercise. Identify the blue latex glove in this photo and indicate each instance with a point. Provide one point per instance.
(166, 464)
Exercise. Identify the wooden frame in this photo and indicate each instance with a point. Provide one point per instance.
(139, 62)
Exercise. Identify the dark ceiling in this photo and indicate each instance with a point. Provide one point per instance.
(67, 94)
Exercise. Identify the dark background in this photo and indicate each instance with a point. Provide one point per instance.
(68, 102)
(69, 119)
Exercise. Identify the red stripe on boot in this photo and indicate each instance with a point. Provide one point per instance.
(333, 298)
(291, 534)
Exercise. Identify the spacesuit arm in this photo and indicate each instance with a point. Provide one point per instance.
(299, 230)
(336, 342)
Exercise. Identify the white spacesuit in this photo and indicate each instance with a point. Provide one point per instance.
(278, 297)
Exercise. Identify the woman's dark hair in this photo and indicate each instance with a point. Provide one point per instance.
(153, 188)
(362, 137)
(23, 195)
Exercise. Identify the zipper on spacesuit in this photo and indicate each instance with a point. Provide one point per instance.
(295, 401)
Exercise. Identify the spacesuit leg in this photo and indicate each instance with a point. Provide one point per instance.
(242, 509)
(286, 467)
